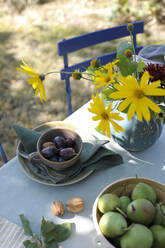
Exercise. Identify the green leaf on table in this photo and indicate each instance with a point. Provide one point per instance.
(52, 232)
(53, 244)
(26, 225)
(63, 231)
(30, 244)
(46, 226)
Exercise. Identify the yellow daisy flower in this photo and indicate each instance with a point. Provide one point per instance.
(134, 94)
(35, 80)
(104, 115)
(103, 78)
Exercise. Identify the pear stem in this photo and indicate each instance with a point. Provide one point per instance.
(128, 228)
(121, 212)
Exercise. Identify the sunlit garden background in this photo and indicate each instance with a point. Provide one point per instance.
(30, 29)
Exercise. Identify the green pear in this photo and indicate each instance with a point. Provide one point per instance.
(112, 224)
(139, 236)
(141, 211)
(124, 202)
(108, 202)
(159, 218)
(159, 236)
(145, 191)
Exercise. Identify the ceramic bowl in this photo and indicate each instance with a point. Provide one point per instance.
(117, 188)
(66, 133)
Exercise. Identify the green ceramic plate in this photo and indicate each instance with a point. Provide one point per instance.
(24, 162)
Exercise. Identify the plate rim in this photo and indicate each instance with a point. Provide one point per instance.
(32, 175)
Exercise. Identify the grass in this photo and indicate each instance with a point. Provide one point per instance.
(33, 35)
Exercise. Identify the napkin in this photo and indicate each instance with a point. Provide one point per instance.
(96, 154)
(153, 52)
(11, 235)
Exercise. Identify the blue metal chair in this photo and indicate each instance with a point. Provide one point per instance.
(2, 152)
(67, 46)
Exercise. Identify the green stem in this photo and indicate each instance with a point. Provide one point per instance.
(133, 47)
(51, 72)
(131, 36)
(66, 72)
(87, 79)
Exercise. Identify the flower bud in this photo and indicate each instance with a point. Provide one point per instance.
(76, 75)
(128, 53)
(42, 76)
(130, 27)
(95, 63)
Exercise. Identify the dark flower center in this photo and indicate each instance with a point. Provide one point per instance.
(139, 94)
(105, 116)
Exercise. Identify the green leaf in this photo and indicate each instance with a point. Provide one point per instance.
(106, 94)
(141, 65)
(123, 46)
(49, 236)
(126, 65)
(52, 232)
(46, 226)
(91, 70)
(26, 225)
(97, 128)
(53, 244)
(162, 108)
(30, 244)
(63, 231)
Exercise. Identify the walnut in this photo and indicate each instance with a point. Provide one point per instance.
(57, 208)
(75, 205)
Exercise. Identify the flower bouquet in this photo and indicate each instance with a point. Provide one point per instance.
(128, 89)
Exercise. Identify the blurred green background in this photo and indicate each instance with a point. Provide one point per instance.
(30, 29)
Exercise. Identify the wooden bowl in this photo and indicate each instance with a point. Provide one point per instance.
(117, 188)
(66, 133)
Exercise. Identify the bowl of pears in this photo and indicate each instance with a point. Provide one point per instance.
(130, 213)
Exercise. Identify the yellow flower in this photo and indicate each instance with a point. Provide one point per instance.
(104, 115)
(134, 94)
(105, 77)
(35, 80)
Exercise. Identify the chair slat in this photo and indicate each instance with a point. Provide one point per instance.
(93, 38)
(104, 59)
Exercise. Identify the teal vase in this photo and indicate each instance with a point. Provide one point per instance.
(138, 135)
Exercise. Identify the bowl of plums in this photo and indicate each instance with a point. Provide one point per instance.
(130, 213)
(59, 148)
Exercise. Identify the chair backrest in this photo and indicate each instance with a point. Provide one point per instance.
(2, 152)
(67, 46)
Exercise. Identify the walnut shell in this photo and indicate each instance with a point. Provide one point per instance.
(57, 208)
(75, 205)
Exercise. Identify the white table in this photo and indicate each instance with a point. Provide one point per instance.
(19, 194)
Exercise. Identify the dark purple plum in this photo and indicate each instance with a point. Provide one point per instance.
(60, 159)
(49, 151)
(59, 141)
(69, 142)
(54, 159)
(67, 153)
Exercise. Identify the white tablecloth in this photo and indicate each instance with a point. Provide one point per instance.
(19, 194)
